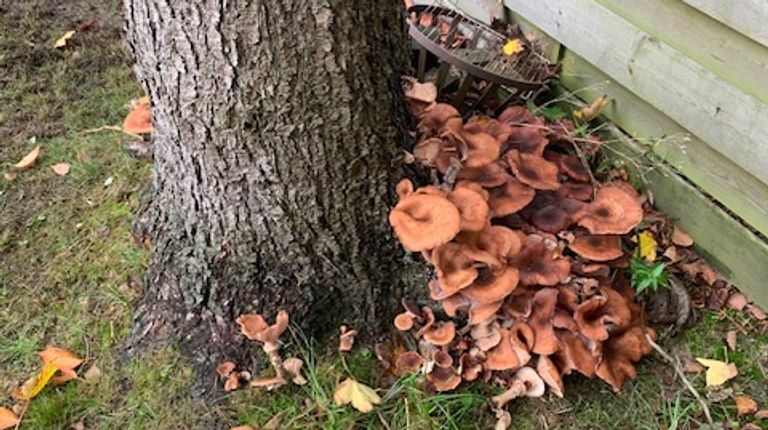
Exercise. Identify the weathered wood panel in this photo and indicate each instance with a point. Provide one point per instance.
(749, 17)
(739, 191)
(729, 120)
(730, 55)
(733, 250)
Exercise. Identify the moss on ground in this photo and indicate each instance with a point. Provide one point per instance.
(70, 276)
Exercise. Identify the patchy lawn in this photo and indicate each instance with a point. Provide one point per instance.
(70, 275)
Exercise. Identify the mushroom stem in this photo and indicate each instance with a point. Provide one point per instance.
(516, 390)
(272, 349)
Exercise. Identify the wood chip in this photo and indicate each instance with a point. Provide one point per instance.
(730, 339)
(681, 238)
(745, 405)
(737, 301)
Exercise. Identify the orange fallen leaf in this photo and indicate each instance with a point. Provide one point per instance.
(30, 159)
(60, 169)
(9, 176)
(745, 405)
(60, 357)
(8, 419)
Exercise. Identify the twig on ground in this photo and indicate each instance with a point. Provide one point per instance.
(21, 415)
(675, 362)
(110, 128)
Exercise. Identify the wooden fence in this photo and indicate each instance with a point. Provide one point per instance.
(691, 76)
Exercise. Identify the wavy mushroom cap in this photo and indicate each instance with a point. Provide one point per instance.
(551, 219)
(489, 176)
(551, 376)
(436, 117)
(618, 355)
(409, 362)
(575, 354)
(600, 316)
(255, 327)
(597, 247)
(615, 211)
(489, 288)
(577, 191)
(441, 333)
(484, 124)
(442, 358)
(404, 188)
(425, 221)
(541, 321)
(139, 120)
(455, 270)
(444, 379)
(486, 335)
(483, 149)
(502, 356)
(568, 165)
(479, 312)
(533, 170)
(424, 92)
(493, 246)
(510, 198)
(539, 265)
(529, 139)
(404, 321)
(473, 207)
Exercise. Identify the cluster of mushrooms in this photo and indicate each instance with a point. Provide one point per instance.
(527, 249)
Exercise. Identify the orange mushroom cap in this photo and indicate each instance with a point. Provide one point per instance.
(597, 247)
(575, 354)
(533, 170)
(479, 312)
(502, 356)
(444, 379)
(425, 221)
(139, 120)
(482, 149)
(404, 188)
(404, 321)
(409, 362)
(254, 327)
(614, 211)
(510, 198)
(490, 289)
(494, 245)
(455, 270)
(442, 358)
(436, 118)
(441, 333)
(599, 316)
(551, 376)
(541, 321)
(618, 355)
(489, 176)
(538, 265)
(473, 207)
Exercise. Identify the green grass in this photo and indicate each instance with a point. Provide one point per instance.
(70, 275)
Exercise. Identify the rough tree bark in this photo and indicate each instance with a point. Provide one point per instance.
(276, 125)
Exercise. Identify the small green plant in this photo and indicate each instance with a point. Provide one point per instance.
(645, 276)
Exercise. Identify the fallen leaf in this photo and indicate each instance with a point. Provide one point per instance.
(719, 394)
(745, 405)
(35, 384)
(274, 422)
(692, 366)
(346, 339)
(362, 397)
(761, 414)
(681, 238)
(109, 181)
(646, 246)
(61, 358)
(93, 374)
(29, 159)
(756, 312)
(62, 41)
(730, 339)
(718, 372)
(590, 112)
(737, 301)
(512, 47)
(424, 92)
(9, 176)
(8, 419)
(60, 169)
(700, 268)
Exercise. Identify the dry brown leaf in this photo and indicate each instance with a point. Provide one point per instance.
(8, 419)
(692, 366)
(730, 339)
(745, 405)
(274, 422)
(9, 176)
(361, 396)
(737, 301)
(700, 268)
(756, 311)
(718, 372)
(681, 238)
(30, 159)
(60, 169)
(93, 374)
(588, 113)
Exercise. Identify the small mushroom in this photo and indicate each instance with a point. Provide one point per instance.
(525, 383)
(614, 211)
(269, 383)
(224, 369)
(409, 362)
(425, 221)
(509, 198)
(233, 382)
(597, 247)
(502, 356)
(404, 321)
(473, 207)
(550, 375)
(533, 170)
(442, 358)
(541, 321)
(444, 378)
(346, 338)
(254, 327)
(139, 120)
(404, 188)
(293, 367)
(441, 333)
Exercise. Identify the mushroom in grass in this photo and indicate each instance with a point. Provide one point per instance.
(597, 247)
(619, 353)
(533, 170)
(293, 367)
(509, 198)
(512, 350)
(425, 221)
(254, 327)
(409, 362)
(575, 354)
(525, 383)
(139, 120)
(346, 339)
(412, 314)
(550, 375)
(615, 210)
(441, 333)
(444, 378)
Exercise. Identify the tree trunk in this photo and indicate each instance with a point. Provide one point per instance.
(276, 126)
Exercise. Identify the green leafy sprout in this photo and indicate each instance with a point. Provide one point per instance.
(645, 276)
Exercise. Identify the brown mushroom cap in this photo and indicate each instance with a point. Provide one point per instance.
(597, 247)
(473, 207)
(528, 138)
(425, 221)
(618, 354)
(510, 198)
(404, 321)
(486, 335)
(493, 246)
(404, 188)
(293, 366)
(538, 265)
(436, 118)
(409, 362)
(551, 219)
(455, 270)
(599, 316)
(575, 354)
(139, 120)
(489, 176)
(541, 321)
(550, 375)
(482, 149)
(577, 191)
(533, 170)
(441, 333)
(488, 288)
(444, 379)
(424, 92)
(614, 211)
(254, 327)
(502, 356)
(569, 165)
(346, 338)
(479, 312)
(225, 368)
(442, 358)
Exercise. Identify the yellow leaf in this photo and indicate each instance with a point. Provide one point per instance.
(8, 419)
(718, 372)
(60, 169)
(588, 113)
(35, 384)
(62, 41)
(513, 46)
(29, 159)
(646, 246)
(361, 396)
